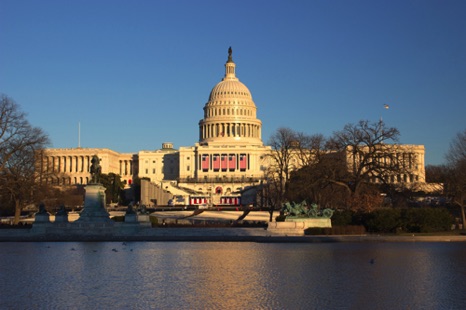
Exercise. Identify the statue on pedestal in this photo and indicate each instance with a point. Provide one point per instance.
(42, 209)
(96, 170)
(62, 211)
(130, 209)
(62, 215)
(94, 210)
(42, 216)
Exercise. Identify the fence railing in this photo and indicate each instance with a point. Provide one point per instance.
(220, 180)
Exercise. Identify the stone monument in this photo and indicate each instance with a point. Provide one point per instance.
(62, 215)
(130, 215)
(94, 200)
(299, 216)
(42, 216)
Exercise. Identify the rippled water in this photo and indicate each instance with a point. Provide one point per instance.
(211, 275)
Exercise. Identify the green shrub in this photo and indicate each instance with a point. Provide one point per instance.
(390, 220)
(342, 218)
(383, 220)
(280, 218)
(153, 221)
(336, 230)
(426, 220)
(315, 231)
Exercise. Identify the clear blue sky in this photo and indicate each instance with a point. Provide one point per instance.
(135, 74)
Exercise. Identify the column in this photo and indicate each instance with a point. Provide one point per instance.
(87, 164)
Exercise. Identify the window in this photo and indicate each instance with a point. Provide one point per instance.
(153, 170)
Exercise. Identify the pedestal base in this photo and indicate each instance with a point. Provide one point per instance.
(131, 218)
(296, 226)
(61, 218)
(41, 218)
(94, 205)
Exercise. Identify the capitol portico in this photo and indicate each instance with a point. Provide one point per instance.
(72, 165)
(228, 157)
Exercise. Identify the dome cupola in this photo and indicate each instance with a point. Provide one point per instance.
(230, 114)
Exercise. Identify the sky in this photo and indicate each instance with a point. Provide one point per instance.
(130, 75)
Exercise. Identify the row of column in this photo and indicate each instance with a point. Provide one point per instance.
(79, 164)
(211, 112)
(68, 163)
(403, 159)
(67, 180)
(398, 178)
(230, 130)
(126, 167)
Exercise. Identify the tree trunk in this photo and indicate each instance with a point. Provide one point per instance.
(460, 203)
(463, 218)
(272, 207)
(17, 212)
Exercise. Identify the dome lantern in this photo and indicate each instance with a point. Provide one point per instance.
(230, 67)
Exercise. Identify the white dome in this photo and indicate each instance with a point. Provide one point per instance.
(230, 89)
(230, 113)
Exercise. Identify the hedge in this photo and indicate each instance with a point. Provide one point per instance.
(393, 220)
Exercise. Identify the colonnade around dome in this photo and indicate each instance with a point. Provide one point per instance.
(229, 130)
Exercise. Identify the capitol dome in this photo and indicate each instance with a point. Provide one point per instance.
(230, 114)
(229, 88)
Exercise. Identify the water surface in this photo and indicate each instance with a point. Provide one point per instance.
(222, 275)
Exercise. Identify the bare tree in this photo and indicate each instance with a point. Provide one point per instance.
(436, 173)
(309, 149)
(457, 151)
(456, 183)
(316, 163)
(370, 152)
(19, 145)
(283, 143)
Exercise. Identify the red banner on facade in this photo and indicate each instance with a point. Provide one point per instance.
(224, 162)
(205, 162)
(232, 161)
(243, 162)
(216, 162)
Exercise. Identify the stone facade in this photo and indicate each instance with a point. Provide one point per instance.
(72, 165)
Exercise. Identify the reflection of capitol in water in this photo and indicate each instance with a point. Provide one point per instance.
(228, 157)
(232, 275)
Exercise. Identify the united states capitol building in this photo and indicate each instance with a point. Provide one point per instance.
(229, 156)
